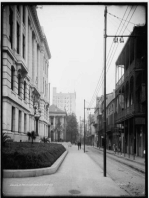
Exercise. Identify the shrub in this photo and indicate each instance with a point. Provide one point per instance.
(27, 156)
(45, 139)
(5, 139)
(31, 135)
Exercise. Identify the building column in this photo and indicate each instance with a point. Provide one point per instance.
(16, 119)
(27, 92)
(38, 67)
(22, 121)
(41, 70)
(30, 42)
(33, 57)
(26, 36)
(35, 62)
(16, 81)
(27, 123)
(6, 114)
(21, 87)
(21, 33)
(134, 129)
(128, 138)
(14, 44)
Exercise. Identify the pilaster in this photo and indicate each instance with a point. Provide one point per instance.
(26, 36)
(33, 58)
(6, 115)
(21, 88)
(27, 92)
(30, 43)
(38, 68)
(14, 29)
(21, 32)
(41, 71)
(16, 119)
(35, 65)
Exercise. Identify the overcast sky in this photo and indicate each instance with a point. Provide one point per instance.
(75, 38)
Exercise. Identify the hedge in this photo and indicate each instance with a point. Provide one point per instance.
(24, 155)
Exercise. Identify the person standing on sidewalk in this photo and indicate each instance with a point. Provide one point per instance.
(114, 148)
(78, 145)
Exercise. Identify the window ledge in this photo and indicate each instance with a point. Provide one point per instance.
(20, 97)
(13, 92)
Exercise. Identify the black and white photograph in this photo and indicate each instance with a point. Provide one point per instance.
(74, 99)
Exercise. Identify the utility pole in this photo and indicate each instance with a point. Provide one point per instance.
(105, 37)
(84, 126)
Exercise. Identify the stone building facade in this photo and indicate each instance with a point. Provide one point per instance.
(25, 56)
(57, 124)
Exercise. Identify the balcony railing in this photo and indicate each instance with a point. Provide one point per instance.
(121, 80)
(123, 113)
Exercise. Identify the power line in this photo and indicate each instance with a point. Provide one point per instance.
(122, 34)
(120, 30)
(120, 18)
(116, 47)
(96, 90)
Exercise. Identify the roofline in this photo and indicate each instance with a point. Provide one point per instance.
(42, 36)
(135, 27)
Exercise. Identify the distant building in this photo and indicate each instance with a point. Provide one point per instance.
(25, 55)
(65, 101)
(99, 115)
(57, 124)
(91, 132)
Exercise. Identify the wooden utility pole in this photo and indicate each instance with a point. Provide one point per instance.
(105, 37)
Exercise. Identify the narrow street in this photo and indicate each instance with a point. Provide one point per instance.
(129, 179)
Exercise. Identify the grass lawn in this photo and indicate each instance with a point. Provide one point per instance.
(24, 155)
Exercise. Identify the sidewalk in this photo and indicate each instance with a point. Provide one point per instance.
(78, 175)
(137, 163)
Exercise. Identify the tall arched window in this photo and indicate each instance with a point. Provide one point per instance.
(24, 90)
(12, 77)
(19, 84)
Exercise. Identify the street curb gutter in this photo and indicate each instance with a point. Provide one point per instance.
(134, 167)
(35, 172)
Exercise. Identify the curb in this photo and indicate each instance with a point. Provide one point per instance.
(131, 160)
(35, 172)
(118, 160)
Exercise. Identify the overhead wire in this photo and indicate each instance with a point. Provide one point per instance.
(122, 34)
(101, 76)
(118, 43)
(120, 18)
(116, 46)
